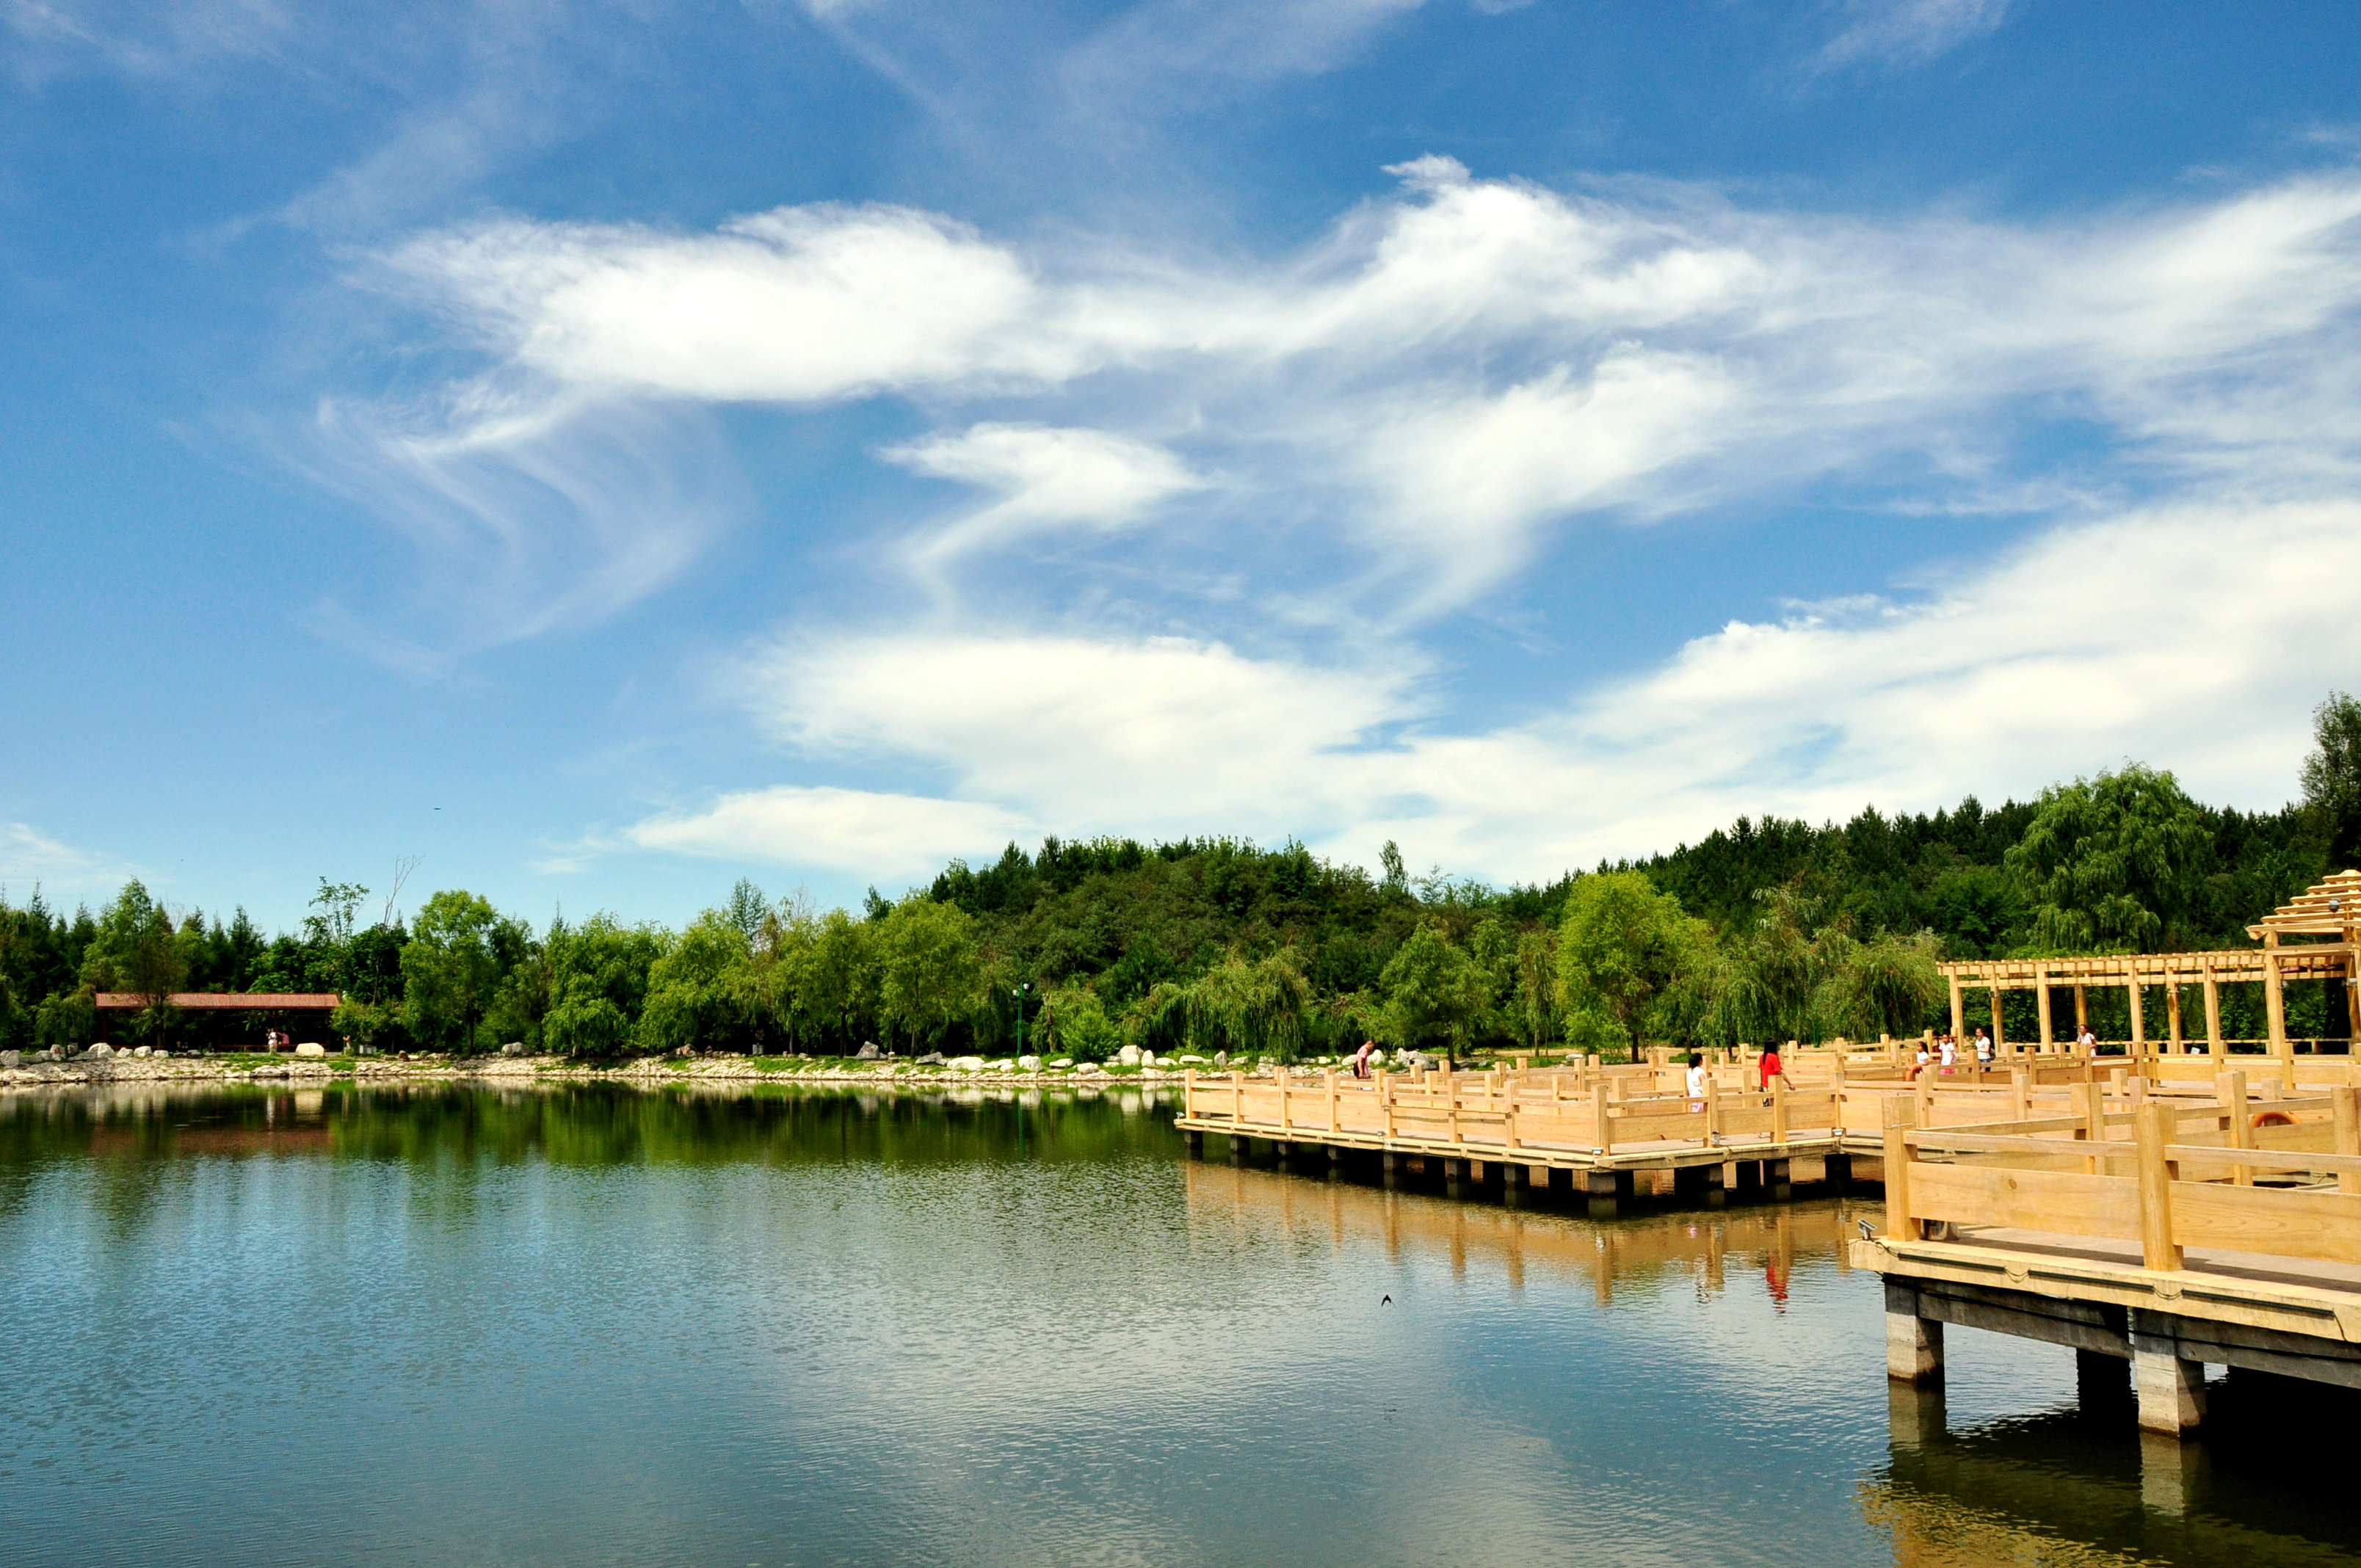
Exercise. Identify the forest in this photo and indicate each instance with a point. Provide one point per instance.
(1768, 929)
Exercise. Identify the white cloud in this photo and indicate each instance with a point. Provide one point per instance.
(1452, 374)
(1911, 31)
(30, 858)
(2192, 637)
(1050, 480)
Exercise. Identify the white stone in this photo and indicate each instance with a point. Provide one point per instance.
(1127, 1056)
(1089, 1069)
(1063, 1062)
(1191, 1061)
(311, 1049)
(1029, 1064)
(965, 1064)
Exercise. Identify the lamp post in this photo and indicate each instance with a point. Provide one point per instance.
(1018, 993)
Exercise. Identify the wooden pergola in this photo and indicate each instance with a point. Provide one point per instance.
(2327, 916)
(227, 1001)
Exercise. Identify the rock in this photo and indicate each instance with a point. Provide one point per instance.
(1029, 1064)
(513, 1048)
(1063, 1062)
(100, 1052)
(1089, 1069)
(932, 1059)
(160, 1056)
(965, 1064)
(1147, 1059)
(311, 1049)
(1221, 1058)
(868, 1051)
(1127, 1056)
(11, 1058)
(139, 1051)
(1191, 1060)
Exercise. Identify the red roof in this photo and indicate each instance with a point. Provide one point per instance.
(232, 1001)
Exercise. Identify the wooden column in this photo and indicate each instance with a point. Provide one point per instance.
(2275, 997)
(2139, 1025)
(2000, 1044)
(1959, 1009)
(2155, 1125)
(2215, 1043)
(1899, 1118)
(2230, 1088)
(2345, 1105)
(2041, 990)
(2081, 1010)
(2172, 1014)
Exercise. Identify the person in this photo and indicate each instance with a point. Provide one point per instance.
(1361, 1058)
(1696, 1080)
(1950, 1053)
(2086, 1042)
(1920, 1065)
(1983, 1048)
(1773, 1068)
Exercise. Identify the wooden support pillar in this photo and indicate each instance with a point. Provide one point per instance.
(1959, 1009)
(1913, 1345)
(2041, 991)
(2172, 1016)
(2081, 1011)
(2139, 1025)
(2171, 1390)
(2346, 1106)
(2214, 1044)
(2275, 997)
(2230, 1088)
(2000, 1041)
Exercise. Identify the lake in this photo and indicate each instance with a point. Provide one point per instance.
(592, 1325)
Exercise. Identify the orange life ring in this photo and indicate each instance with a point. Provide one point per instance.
(2273, 1119)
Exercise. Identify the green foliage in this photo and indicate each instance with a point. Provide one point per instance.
(459, 950)
(929, 975)
(1073, 1023)
(137, 948)
(1435, 993)
(2115, 863)
(2332, 781)
(1630, 960)
(1260, 1006)
(691, 1001)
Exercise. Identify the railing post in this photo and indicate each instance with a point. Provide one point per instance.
(1779, 1113)
(2154, 1125)
(1279, 1072)
(2215, 1043)
(1899, 1118)
(1238, 1097)
(2093, 1096)
(2347, 1104)
(2275, 999)
(1712, 1111)
(1188, 1091)
(2041, 990)
(2230, 1087)
(1336, 1101)
(1599, 1116)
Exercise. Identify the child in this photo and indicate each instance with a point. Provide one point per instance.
(1920, 1066)
(1696, 1080)
(1773, 1068)
(1950, 1054)
(1983, 1048)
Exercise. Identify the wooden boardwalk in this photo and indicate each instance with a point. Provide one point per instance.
(2165, 1235)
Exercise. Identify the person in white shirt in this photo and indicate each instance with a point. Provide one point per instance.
(1983, 1048)
(1697, 1081)
(1950, 1052)
(2086, 1042)
(1921, 1066)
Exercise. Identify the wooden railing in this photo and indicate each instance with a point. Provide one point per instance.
(1501, 1114)
(2185, 1177)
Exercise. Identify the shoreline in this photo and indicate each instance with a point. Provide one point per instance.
(653, 1072)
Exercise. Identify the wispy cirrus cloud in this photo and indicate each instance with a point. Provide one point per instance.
(1909, 32)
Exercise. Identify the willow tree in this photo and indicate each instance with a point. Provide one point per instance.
(1259, 1006)
(2115, 863)
(1435, 992)
(1631, 961)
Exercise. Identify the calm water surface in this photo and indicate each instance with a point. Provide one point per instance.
(473, 1326)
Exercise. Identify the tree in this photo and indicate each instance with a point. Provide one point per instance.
(137, 949)
(1435, 992)
(692, 1000)
(1629, 961)
(1073, 1023)
(458, 951)
(2332, 781)
(2115, 863)
(1258, 1005)
(929, 975)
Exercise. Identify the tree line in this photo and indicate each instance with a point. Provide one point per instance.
(1770, 929)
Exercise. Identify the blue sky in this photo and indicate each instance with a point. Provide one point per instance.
(604, 449)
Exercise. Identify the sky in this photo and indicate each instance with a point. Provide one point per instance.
(597, 449)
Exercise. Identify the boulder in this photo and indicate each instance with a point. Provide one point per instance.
(932, 1059)
(311, 1049)
(1029, 1064)
(1221, 1058)
(1089, 1069)
(1127, 1056)
(100, 1051)
(513, 1048)
(1191, 1061)
(868, 1051)
(11, 1058)
(1063, 1062)
(965, 1064)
